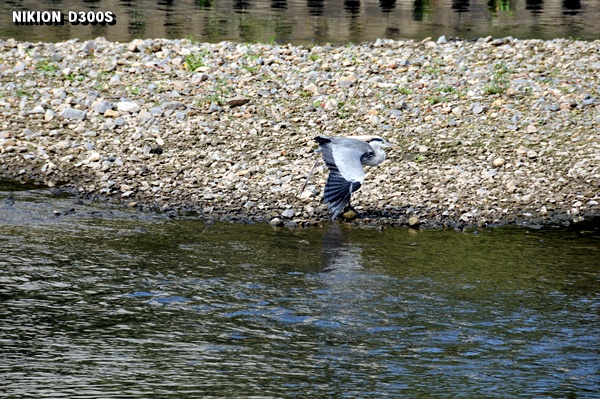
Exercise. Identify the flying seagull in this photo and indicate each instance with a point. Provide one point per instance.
(345, 157)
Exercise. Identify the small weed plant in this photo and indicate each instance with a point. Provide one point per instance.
(46, 66)
(499, 83)
(195, 61)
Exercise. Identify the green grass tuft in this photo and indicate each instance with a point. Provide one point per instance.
(46, 66)
(195, 61)
(499, 83)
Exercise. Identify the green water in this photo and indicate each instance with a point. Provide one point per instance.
(101, 301)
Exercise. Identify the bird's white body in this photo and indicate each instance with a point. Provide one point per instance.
(345, 157)
(376, 146)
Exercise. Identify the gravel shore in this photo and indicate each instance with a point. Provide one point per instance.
(489, 132)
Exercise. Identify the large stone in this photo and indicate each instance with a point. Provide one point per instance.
(237, 101)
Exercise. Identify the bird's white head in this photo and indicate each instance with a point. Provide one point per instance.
(375, 141)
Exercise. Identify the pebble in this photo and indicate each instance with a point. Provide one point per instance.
(306, 194)
(156, 111)
(413, 221)
(94, 156)
(553, 107)
(531, 129)
(9, 143)
(276, 222)
(114, 80)
(38, 110)
(19, 67)
(214, 108)
(311, 88)
(349, 215)
(498, 162)
(70, 113)
(89, 46)
(144, 116)
(237, 146)
(102, 106)
(127, 106)
(172, 105)
(288, 213)
(49, 115)
(346, 81)
(457, 111)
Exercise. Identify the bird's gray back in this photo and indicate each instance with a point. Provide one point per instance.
(344, 156)
(351, 145)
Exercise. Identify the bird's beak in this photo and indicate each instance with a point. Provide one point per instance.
(387, 144)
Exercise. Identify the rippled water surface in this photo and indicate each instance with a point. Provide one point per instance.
(98, 301)
(313, 21)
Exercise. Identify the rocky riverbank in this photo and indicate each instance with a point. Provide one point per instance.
(489, 132)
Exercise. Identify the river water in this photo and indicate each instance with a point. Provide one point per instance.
(312, 21)
(102, 301)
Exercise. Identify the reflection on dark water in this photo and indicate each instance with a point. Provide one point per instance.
(315, 21)
(420, 9)
(102, 300)
(241, 5)
(337, 254)
(387, 6)
(279, 4)
(352, 7)
(315, 7)
(460, 6)
(535, 6)
(571, 7)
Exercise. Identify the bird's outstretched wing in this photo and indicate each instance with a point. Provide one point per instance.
(338, 192)
(343, 158)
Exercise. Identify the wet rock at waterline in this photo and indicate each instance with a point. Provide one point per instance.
(486, 133)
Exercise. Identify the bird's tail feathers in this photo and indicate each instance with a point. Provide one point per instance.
(338, 192)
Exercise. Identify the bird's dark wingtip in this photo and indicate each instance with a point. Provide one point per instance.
(322, 140)
(338, 192)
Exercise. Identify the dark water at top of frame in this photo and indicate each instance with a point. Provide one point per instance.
(97, 301)
(313, 21)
